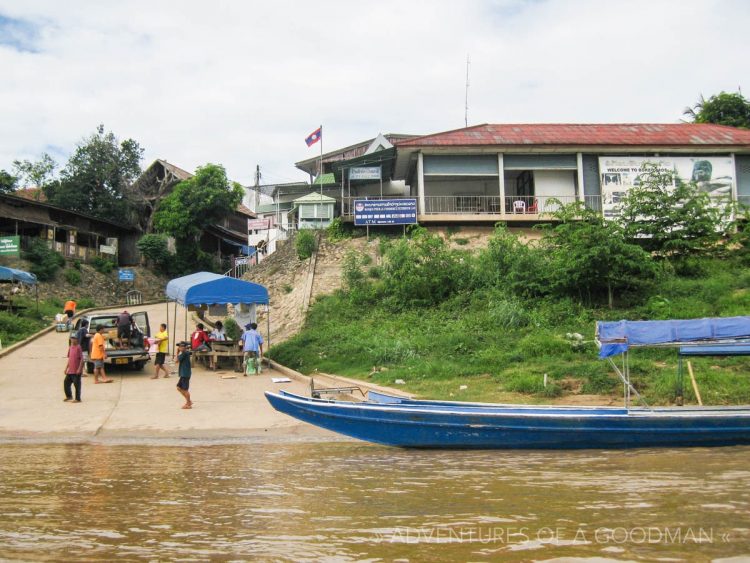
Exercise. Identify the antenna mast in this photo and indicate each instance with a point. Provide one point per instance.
(466, 99)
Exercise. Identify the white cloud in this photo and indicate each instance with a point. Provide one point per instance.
(243, 83)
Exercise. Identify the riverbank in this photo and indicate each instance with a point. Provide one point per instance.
(228, 406)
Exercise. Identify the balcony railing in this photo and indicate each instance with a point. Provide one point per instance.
(508, 206)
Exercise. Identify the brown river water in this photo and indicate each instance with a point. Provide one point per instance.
(344, 501)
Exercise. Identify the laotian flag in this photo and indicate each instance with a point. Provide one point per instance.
(314, 137)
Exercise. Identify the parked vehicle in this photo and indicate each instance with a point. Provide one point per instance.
(134, 354)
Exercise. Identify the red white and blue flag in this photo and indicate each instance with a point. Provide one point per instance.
(314, 137)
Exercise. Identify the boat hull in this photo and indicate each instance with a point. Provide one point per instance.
(484, 426)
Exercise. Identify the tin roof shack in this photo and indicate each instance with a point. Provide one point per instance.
(74, 235)
(314, 211)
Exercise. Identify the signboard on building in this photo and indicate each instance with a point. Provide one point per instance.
(365, 173)
(125, 274)
(712, 174)
(385, 211)
(105, 249)
(10, 246)
(260, 224)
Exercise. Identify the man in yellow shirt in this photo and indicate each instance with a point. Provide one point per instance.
(162, 339)
(98, 355)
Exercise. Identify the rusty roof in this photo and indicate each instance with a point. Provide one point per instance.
(576, 134)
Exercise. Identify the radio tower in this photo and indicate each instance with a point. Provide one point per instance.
(466, 99)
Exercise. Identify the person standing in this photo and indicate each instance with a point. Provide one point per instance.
(83, 336)
(73, 370)
(162, 340)
(252, 346)
(98, 355)
(124, 328)
(185, 371)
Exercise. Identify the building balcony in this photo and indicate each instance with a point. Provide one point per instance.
(482, 208)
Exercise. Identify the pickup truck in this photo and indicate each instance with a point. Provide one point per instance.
(135, 354)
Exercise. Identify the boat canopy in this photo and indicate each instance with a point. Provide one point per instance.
(207, 288)
(13, 275)
(615, 337)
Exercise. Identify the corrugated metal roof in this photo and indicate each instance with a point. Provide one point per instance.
(565, 134)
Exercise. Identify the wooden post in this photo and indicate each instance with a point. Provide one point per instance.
(695, 385)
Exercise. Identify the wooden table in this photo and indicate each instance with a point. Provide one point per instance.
(223, 349)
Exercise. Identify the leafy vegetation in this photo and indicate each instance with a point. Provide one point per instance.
(72, 276)
(232, 329)
(102, 265)
(723, 109)
(45, 261)
(304, 244)
(155, 250)
(96, 177)
(195, 203)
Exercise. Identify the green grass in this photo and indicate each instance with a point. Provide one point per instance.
(20, 325)
(492, 347)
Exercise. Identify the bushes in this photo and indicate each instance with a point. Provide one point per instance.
(154, 248)
(102, 265)
(305, 243)
(45, 261)
(72, 276)
(232, 329)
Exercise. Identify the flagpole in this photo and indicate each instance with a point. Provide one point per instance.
(321, 160)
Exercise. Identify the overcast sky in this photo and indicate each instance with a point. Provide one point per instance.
(243, 83)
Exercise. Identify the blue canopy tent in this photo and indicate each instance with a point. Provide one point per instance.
(207, 288)
(11, 275)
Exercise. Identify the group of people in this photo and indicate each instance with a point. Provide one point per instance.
(251, 342)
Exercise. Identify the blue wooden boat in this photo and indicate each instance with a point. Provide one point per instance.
(506, 426)
(396, 421)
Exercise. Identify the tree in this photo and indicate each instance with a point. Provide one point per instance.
(195, 203)
(590, 257)
(96, 176)
(35, 174)
(7, 182)
(673, 218)
(723, 109)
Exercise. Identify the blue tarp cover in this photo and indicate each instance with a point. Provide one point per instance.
(206, 288)
(13, 275)
(714, 350)
(616, 336)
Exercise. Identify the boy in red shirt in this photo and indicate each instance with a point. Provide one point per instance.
(73, 370)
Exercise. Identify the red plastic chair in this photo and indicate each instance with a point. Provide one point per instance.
(534, 207)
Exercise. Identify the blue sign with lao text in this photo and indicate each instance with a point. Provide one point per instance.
(126, 274)
(385, 212)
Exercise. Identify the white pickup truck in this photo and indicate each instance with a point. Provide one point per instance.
(135, 354)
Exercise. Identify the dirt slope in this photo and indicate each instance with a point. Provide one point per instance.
(285, 275)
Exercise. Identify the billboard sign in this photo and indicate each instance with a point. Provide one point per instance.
(365, 173)
(712, 174)
(385, 212)
(10, 246)
(126, 274)
(260, 224)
